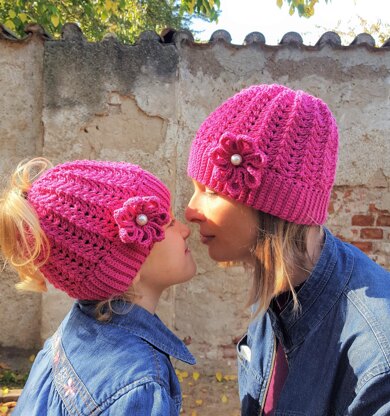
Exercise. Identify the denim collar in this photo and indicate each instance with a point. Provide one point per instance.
(317, 296)
(141, 323)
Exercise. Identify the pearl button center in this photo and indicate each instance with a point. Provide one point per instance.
(141, 219)
(236, 159)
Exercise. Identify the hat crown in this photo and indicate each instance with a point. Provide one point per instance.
(76, 204)
(298, 135)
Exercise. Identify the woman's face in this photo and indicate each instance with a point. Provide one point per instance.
(228, 228)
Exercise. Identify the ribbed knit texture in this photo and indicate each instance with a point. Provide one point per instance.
(288, 142)
(76, 203)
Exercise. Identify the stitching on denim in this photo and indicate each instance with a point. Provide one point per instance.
(246, 365)
(155, 357)
(128, 388)
(336, 298)
(58, 374)
(349, 265)
(372, 373)
(372, 322)
(160, 345)
(368, 376)
(65, 370)
(323, 283)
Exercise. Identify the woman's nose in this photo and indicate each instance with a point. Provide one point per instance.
(193, 214)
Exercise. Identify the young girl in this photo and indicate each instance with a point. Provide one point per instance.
(104, 233)
(263, 166)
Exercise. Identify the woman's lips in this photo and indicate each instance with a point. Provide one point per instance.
(205, 239)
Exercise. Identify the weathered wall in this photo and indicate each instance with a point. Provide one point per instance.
(21, 135)
(143, 103)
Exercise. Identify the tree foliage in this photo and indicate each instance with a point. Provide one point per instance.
(305, 8)
(378, 30)
(126, 18)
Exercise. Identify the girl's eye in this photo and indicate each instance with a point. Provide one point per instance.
(172, 223)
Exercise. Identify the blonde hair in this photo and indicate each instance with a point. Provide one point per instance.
(281, 248)
(105, 309)
(23, 243)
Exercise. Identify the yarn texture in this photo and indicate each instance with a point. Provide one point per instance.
(90, 212)
(271, 148)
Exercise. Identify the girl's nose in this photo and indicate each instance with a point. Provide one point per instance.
(185, 230)
(192, 212)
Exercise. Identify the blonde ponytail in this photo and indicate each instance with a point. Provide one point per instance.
(23, 243)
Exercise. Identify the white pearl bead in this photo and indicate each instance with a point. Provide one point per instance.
(141, 219)
(236, 159)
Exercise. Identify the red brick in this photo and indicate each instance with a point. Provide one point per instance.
(371, 233)
(237, 339)
(363, 220)
(229, 351)
(365, 246)
(331, 208)
(373, 208)
(383, 220)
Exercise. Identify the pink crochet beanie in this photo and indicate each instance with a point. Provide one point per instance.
(271, 148)
(101, 219)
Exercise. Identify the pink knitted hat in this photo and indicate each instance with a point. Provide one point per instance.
(101, 219)
(271, 148)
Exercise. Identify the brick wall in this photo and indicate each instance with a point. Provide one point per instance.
(357, 216)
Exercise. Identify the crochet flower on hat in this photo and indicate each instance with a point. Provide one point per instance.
(141, 220)
(238, 161)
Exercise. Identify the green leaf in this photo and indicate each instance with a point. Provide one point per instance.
(55, 20)
(191, 6)
(10, 24)
(22, 17)
(301, 9)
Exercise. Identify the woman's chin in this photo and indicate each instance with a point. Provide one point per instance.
(220, 257)
(229, 258)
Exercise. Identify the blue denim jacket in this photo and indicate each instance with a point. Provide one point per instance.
(117, 368)
(337, 347)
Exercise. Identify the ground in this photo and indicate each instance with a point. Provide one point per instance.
(203, 394)
(209, 395)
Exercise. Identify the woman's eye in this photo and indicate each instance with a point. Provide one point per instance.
(172, 223)
(209, 191)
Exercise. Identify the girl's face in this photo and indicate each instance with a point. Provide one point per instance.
(228, 228)
(170, 261)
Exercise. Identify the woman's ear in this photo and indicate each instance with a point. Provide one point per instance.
(137, 278)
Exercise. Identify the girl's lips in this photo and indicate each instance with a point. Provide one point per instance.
(205, 239)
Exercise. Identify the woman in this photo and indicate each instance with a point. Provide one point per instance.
(263, 165)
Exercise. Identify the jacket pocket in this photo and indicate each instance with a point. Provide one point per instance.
(249, 381)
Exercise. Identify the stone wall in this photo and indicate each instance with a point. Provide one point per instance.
(70, 99)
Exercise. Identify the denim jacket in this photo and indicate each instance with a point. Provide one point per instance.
(337, 346)
(117, 368)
